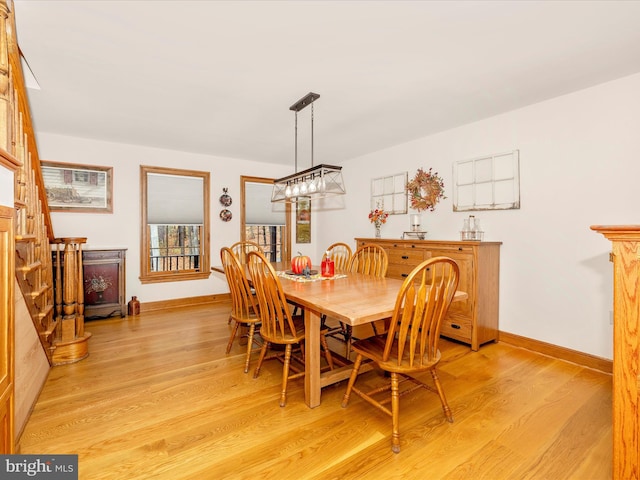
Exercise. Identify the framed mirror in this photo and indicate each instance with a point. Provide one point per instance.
(174, 225)
(263, 222)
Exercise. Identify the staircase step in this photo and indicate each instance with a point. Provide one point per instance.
(40, 291)
(26, 238)
(47, 334)
(26, 269)
(47, 310)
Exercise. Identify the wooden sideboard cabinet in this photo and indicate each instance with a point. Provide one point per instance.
(104, 282)
(473, 321)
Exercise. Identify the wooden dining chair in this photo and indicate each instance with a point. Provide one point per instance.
(278, 326)
(370, 259)
(340, 253)
(241, 250)
(410, 346)
(244, 309)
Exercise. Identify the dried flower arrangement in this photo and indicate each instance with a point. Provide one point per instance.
(425, 190)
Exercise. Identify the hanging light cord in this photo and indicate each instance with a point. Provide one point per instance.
(296, 140)
(296, 144)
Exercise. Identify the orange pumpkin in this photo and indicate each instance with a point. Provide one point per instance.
(299, 262)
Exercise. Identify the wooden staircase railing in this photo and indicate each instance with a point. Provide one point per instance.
(33, 228)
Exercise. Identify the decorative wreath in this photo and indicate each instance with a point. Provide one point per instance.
(425, 190)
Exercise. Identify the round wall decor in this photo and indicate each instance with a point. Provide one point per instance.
(225, 215)
(225, 198)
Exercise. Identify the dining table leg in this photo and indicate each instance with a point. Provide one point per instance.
(312, 388)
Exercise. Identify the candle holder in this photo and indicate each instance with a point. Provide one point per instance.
(416, 235)
(416, 221)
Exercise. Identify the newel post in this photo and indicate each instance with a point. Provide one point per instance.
(71, 342)
(625, 256)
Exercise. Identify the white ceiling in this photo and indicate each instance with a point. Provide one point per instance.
(218, 77)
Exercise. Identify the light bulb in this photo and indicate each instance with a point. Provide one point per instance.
(296, 190)
(287, 191)
(303, 188)
(313, 187)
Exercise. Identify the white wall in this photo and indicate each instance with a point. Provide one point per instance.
(122, 228)
(579, 162)
(580, 166)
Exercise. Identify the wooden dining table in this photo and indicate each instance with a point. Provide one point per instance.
(354, 299)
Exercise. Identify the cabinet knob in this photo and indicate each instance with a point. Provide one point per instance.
(404, 275)
(405, 257)
(457, 327)
(460, 248)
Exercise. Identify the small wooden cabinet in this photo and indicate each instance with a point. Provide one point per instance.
(473, 321)
(104, 282)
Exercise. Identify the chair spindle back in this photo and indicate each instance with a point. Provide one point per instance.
(242, 249)
(423, 302)
(277, 324)
(242, 300)
(369, 259)
(340, 253)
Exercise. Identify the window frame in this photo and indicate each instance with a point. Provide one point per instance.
(286, 241)
(500, 172)
(148, 276)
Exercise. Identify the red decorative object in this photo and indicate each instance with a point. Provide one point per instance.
(328, 268)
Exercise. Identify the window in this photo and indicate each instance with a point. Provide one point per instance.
(175, 225)
(389, 193)
(264, 222)
(487, 183)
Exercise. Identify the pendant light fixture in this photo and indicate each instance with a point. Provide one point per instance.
(315, 182)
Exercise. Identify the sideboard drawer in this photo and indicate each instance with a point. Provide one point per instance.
(456, 327)
(405, 256)
(399, 271)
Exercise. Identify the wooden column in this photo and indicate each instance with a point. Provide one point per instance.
(626, 347)
(71, 343)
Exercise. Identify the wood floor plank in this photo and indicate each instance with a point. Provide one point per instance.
(159, 398)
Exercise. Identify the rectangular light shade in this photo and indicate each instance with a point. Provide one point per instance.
(174, 199)
(316, 182)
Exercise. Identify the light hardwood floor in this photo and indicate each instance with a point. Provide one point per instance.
(158, 398)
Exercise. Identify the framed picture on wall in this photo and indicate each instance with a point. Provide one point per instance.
(78, 188)
(303, 220)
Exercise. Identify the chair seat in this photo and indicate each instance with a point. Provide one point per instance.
(289, 337)
(251, 318)
(373, 348)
